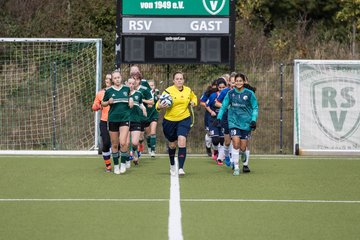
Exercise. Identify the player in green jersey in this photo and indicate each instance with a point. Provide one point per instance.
(117, 96)
(143, 86)
(152, 119)
(138, 113)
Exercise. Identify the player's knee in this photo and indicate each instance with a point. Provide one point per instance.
(106, 146)
(134, 144)
(215, 140)
(172, 145)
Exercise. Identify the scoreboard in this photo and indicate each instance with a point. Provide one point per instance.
(175, 31)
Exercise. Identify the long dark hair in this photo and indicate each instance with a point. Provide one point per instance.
(211, 88)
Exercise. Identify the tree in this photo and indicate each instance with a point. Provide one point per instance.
(350, 14)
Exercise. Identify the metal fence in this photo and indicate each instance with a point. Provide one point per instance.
(274, 133)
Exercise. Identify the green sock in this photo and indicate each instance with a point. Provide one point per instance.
(124, 157)
(134, 149)
(148, 141)
(153, 142)
(115, 157)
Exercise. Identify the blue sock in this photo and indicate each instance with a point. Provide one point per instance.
(182, 156)
(172, 155)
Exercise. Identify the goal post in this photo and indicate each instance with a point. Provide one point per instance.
(47, 86)
(326, 107)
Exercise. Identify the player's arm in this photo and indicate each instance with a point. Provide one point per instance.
(107, 99)
(210, 101)
(255, 107)
(193, 99)
(143, 108)
(224, 106)
(221, 97)
(161, 105)
(148, 99)
(97, 103)
(203, 100)
(217, 103)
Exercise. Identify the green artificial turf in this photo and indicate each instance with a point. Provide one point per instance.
(282, 198)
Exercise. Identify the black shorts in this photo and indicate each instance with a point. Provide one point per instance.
(115, 126)
(174, 129)
(143, 126)
(147, 124)
(135, 126)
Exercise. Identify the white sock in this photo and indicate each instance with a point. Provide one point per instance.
(221, 154)
(247, 154)
(226, 151)
(208, 141)
(230, 149)
(215, 147)
(235, 157)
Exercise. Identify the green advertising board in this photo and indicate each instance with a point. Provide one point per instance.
(176, 7)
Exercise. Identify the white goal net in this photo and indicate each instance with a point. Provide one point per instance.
(327, 107)
(46, 91)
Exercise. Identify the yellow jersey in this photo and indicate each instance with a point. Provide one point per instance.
(179, 109)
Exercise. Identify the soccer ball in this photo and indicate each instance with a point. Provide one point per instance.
(167, 99)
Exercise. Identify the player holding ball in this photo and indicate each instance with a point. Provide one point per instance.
(177, 121)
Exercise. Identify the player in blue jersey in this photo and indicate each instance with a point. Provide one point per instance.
(216, 134)
(224, 120)
(204, 97)
(242, 108)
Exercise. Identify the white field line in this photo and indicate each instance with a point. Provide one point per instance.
(167, 200)
(82, 200)
(165, 156)
(174, 224)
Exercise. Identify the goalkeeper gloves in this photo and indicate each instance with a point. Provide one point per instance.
(253, 125)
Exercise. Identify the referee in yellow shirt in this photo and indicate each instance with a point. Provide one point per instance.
(177, 120)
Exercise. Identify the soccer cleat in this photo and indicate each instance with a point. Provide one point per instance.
(246, 169)
(128, 164)
(116, 169)
(122, 167)
(227, 161)
(152, 154)
(236, 172)
(141, 147)
(219, 162)
(172, 170)
(181, 172)
(214, 155)
(108, 168)
(136, 162)
(208, 151)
